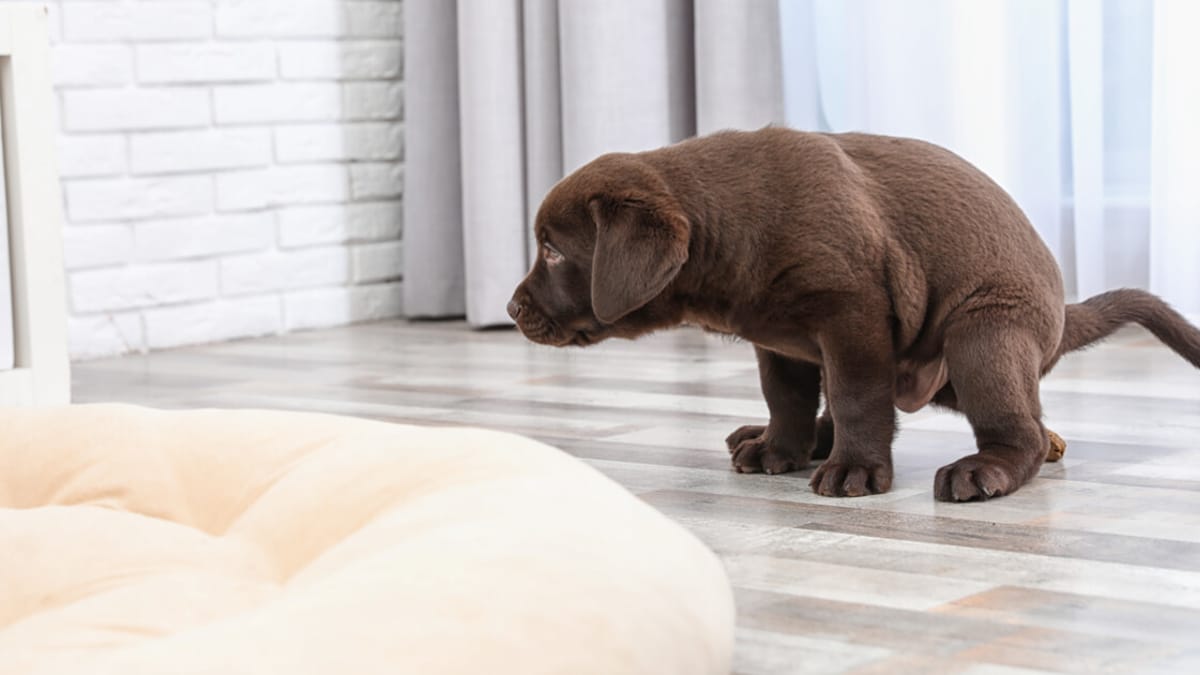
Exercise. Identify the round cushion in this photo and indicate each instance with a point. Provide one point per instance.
(135, 541)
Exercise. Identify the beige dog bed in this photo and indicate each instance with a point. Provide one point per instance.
(135, 541)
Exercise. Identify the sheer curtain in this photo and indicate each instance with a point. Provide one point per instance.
(1085, 111)
(505, 96)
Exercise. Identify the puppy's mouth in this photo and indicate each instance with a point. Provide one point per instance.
(557, 338)
(545, 331)
(539, 329)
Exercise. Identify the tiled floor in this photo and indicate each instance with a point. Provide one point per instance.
(1093, 567)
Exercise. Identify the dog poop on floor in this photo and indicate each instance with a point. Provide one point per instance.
(1058, 447)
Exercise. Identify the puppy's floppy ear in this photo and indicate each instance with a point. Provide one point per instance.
(641, 244)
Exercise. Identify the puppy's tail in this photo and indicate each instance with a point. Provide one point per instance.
(1097, 317)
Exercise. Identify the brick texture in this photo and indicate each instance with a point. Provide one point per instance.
(230, 168)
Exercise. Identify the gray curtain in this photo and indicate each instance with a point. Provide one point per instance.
(503, 97)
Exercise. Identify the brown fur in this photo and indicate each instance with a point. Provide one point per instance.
(879, 271)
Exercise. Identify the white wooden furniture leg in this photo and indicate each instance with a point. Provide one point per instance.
(42, 369)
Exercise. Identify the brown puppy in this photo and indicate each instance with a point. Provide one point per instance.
(886, 272)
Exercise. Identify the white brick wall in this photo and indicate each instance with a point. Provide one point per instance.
(198, 151)
(373, 221)
(179, 63)
(334, 306)
(117, 20)
(230, 167)
(133, 109)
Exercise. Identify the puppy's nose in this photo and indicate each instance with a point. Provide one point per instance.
(514, 309)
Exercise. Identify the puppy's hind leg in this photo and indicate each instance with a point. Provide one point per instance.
(792, 390)
(994, 370)
(945, 398)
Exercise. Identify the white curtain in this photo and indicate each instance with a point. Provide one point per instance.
(1175, 154)
(1084, 110)
(505, 96)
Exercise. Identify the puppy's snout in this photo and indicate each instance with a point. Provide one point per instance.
(514, 308)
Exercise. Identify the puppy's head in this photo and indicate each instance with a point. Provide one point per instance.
(611, 239)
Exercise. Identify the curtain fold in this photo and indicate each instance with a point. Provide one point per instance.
(1175, 154)
(625, 77)
(543, 114)
(738, 64)
(491, 126)
(799, 73)
(1085, 63)
(434, 282)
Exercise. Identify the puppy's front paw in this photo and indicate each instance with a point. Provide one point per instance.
(748, 432)
(753, 452)
(851, 479)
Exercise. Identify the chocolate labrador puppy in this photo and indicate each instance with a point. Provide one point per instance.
(886, 272)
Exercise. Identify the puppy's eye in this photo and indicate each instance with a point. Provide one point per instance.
(551, 254)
